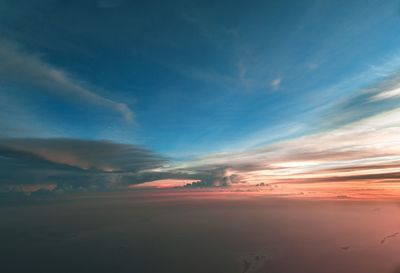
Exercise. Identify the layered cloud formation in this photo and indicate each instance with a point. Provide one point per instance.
(71, 163)
(221, 98)
(79, 165)
(361, 145)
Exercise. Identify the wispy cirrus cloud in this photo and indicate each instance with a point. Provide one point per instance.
(388, 94)
(358, 142)
(21, 68)
(365, 150)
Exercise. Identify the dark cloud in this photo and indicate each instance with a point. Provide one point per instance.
(86, 154)
(378, 177)
(73, 163)
(217, 177)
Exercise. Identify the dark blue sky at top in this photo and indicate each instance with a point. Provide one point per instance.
(199, 76)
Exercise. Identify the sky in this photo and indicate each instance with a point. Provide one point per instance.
(109, 94)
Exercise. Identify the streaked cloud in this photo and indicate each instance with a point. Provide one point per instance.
(366, 150)
(393, 93)
(29, 70)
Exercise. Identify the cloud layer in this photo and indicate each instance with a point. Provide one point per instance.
(364, 150)
(73, 163)
(361, 145)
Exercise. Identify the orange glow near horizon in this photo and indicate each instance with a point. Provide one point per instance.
(163, 183)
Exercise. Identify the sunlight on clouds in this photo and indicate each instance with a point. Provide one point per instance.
(387, 94)
(363, 152)
(163, 183)
(296, 164)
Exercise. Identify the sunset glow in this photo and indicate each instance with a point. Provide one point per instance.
(200, 136)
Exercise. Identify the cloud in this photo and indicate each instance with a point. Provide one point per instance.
(218, 177)
(368, 101)
(363, 149)
(73, 163)
(23, 69)
(276, 83)
(58, 165)
(86, 154)
(366, 150)
(388, 94)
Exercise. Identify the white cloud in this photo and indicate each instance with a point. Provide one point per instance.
(388, 94)
(276, 83)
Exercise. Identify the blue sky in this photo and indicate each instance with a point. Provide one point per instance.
(188, 79)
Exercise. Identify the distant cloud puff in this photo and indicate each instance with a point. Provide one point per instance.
(276, 83)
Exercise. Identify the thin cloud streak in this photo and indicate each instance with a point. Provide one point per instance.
(24, 69)
(387, 94)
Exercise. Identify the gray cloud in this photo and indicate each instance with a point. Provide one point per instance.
(23, 69)
(73, 163)
(70, 165)
(103, 156)
(217, 177)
